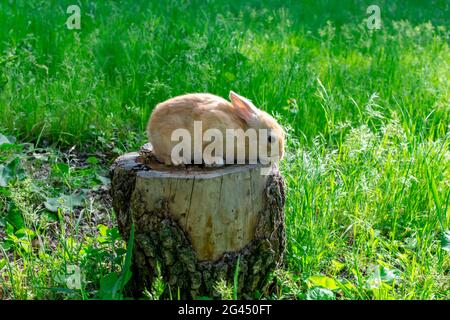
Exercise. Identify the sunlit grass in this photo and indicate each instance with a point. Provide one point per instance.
(367, 115)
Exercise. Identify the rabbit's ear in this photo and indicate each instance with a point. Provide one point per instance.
(244, 107)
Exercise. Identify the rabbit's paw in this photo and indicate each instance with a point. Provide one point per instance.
(213, 162)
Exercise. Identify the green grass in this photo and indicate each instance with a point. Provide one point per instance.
(367, 115)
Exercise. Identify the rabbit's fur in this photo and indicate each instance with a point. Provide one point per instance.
(215, 113)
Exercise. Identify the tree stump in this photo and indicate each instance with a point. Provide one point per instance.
(193, 223)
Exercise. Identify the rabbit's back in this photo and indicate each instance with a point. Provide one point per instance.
(181, 112)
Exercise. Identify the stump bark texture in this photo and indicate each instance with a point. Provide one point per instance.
(195, 224)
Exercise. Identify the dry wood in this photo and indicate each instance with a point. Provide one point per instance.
(194, 222)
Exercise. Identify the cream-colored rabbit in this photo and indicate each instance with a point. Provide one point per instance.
(212, 112)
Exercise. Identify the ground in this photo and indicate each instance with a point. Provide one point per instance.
(366, 113)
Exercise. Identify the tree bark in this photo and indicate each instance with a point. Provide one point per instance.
(194, 223)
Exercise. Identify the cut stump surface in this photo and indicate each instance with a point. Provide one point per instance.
(195, 222)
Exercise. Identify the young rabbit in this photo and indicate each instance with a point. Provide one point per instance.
(215, 115)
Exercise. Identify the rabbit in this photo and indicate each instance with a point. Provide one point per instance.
(212, 112)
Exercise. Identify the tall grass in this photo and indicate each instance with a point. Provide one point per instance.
(366, 111)
(71, 86)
